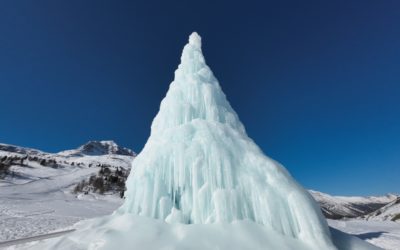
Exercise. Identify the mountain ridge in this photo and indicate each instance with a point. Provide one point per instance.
(342, 207)
(104, 147)
(20, 165)
(98, 148)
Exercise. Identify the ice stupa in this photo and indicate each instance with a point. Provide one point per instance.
(201, 183)
(199, 166)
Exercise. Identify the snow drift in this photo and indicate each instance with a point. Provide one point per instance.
(202, 174)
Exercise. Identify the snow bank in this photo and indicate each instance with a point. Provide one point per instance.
(385, 234)
(128, 231)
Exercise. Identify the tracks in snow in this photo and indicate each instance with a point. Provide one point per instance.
(34, 238)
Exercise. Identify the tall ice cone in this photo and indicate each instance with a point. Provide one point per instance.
(199, 166)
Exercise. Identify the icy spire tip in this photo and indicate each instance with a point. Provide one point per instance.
(195, 40)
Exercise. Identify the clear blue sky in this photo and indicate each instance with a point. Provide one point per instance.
(316, 83)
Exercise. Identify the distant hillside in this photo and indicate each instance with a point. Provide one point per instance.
(339, 207)
(96, 148)
(102, 163)
(391, 211)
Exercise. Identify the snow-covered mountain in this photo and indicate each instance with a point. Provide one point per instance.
(391, 212)
(17, 149)
(91, 153)
(338, 207)
(98, 148)
(19, 165)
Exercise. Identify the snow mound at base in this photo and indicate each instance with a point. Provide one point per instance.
(127, 232)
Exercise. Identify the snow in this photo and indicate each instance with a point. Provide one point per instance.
(354, 199)
(336, 207)
(38, 199)
(96, 148)
(33, 216)
(128, 231)
(104, 152)
(151, 234)
(389, 212)
(43, 202)
(385, 234)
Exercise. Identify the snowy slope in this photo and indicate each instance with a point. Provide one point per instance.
(389, 212)
(96, 148)
(337, 207)
(19, 150)
(384, 234)
(36, 195)
(25, 163)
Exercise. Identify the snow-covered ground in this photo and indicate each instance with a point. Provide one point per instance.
(29, 217)
(40, 205)
(42, 202)
(385, 234)
(391, 211)
(36, 195)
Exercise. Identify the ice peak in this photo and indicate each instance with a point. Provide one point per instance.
(194, 94)
(195, 40)
(199, 166)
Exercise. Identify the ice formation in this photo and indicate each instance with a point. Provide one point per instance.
(200, 167)
(201, 183)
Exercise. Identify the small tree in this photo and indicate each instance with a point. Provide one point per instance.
(98, 184)
(396, 217)
(77, 188)
(107, 171)
(4, 168)
(92, 179)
